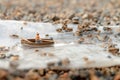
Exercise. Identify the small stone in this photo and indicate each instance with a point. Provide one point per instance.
(36, 50)
(71, 16)
(69, 29)
(14, 36)
(2, 56)
(59, 30)
(51, 72)
(81, 40)
(32, 76)
(107, 29)
(21, 28)
(100, 38)
(85, 16)
(3, 74)
(109, 56)
(41, 72)
(93, 76)
(64, 76)
(64, 27)
(51, 64)
(117, 76)
(77, 33)
(75, 20)
(65, 62)
(118, 34)
(18, 78)
(14, 57)
(55, 18)
(113, 50)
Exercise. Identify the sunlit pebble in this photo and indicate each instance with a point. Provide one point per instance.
(51, 72)
(41, 72)
(64, 75)
(100, 38)
(75, 20)
(69, 29)
(18, 78)
(14, 57)
(84, 16)
(32, 76)
(51, 75)
(93, 76)
(77, 33)
(113, 50)
(3, 74)
(117, 76)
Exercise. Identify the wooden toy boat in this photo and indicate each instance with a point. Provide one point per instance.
(31, 42)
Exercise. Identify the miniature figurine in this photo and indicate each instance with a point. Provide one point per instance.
(37, 38)
(37, 41)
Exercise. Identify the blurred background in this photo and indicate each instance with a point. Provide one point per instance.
(45, 10)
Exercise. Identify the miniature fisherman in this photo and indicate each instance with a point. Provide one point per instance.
(37, 38)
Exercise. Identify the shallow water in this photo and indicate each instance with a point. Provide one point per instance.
(65, 46)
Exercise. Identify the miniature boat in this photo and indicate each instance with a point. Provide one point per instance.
(31, 42)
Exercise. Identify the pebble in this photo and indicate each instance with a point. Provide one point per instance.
(117, 76)
(59, 30)
(2, 47)
(14, 57)
(32, 76)
(100, 38)
(14, 36)
(36, 50)
(109, 57)
(2, 56)
(41, 72)
(51, 64)
(55, 18)
(65, 62)
(3, 74)
(113, 50)
(75, 20)
(81, 40)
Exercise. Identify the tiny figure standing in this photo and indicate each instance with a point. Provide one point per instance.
(37, 38)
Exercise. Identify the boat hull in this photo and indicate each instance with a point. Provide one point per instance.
(31, 42)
